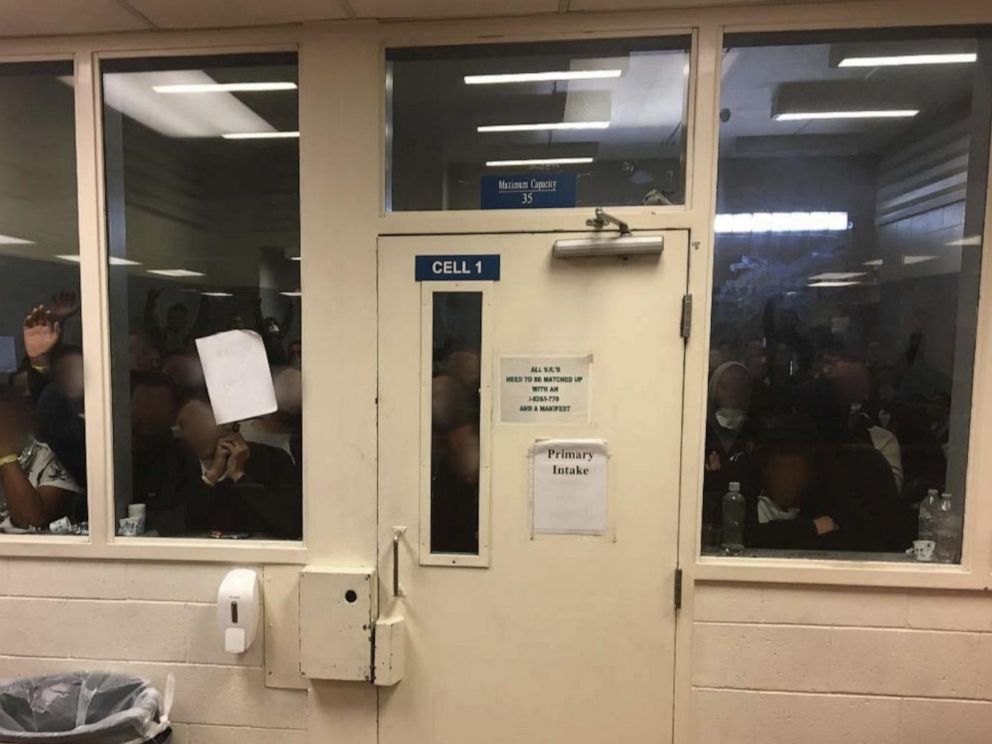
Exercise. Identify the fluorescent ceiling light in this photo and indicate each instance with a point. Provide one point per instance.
(910, 260)
(781, 222)
(133, 94)
(971, 240)
(833, 276)
(541, 77)
(112, 260)
(297, 293)
(873, 262)
(537, 161)
(11, 240)
(216, 294)
(295, 258)
(832, 284)
(222, 87)
(260, 135)
(865, 114)
(544, 127)
(909, 59)
(175, 272)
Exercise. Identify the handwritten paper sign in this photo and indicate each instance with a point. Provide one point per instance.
(237, 374)
(569, 489)
(546, 389)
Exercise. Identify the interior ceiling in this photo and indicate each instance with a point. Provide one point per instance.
(51, 17)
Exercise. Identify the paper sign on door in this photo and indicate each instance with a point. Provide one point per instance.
(569, 488)
(546, 389)
(236, 370)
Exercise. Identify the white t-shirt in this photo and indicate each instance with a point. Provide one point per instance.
(252, 432)
(42, 468)
(769, 511)
(885, 442)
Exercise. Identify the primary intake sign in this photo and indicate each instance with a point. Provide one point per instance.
(545, 389)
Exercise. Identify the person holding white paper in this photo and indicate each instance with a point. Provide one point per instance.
(229, 485)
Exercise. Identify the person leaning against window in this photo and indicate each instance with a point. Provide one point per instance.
(35, 487)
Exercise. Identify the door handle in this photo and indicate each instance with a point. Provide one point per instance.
(397, 534)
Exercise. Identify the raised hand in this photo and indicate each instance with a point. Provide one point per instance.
(64, 305)
(42, 333)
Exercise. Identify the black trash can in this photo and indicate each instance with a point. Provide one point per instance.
(84, 708)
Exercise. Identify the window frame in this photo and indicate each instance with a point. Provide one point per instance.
(532, 220)
(318, 46)
(975, 569)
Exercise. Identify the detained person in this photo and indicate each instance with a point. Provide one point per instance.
(730, 436)
(229, 485)
(35, 488)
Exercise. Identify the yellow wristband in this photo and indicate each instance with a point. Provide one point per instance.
(8, 459)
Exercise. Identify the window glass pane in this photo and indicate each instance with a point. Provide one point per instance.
(455, 422)
(42, 424)
(521, 126)
(852, 186)
(202, 163)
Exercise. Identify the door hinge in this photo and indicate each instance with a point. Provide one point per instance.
(685, 325)
(678, 589)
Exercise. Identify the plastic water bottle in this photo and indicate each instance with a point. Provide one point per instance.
(928, 511)
(733, 520)
(947, 528)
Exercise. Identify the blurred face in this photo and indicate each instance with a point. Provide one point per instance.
(143, 356)
(447, 403)
(153, 410)
(757, 365)
(236, 323)
(15, 426)
(288, 385)
(733, 390)
(464, 366)
(184, 369)
(68, 376)
(851, 383)
(786, 477)
(176, 317)
(199, 429)
(295, 354)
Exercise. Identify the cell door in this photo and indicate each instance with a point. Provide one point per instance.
(529, 433)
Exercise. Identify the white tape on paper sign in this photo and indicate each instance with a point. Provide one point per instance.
(236, 370)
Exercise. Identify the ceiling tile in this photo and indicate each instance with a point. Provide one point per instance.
(225, 13)
(46, 17)
(450, 8)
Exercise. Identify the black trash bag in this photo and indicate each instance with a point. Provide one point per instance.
(84, 708)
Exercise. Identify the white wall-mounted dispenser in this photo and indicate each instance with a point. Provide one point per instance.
(238, 601)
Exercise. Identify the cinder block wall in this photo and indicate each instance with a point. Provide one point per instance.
(151, 620)
(786, 665)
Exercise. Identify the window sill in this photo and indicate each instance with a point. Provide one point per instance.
(854, 571)
(155, 549)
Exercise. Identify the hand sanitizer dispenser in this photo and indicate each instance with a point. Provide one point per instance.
(238, 608)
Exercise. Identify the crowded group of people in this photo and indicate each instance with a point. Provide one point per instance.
(833, 447)
(192, 476)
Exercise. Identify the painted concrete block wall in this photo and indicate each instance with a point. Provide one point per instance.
(780, 665)
(151, 620)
